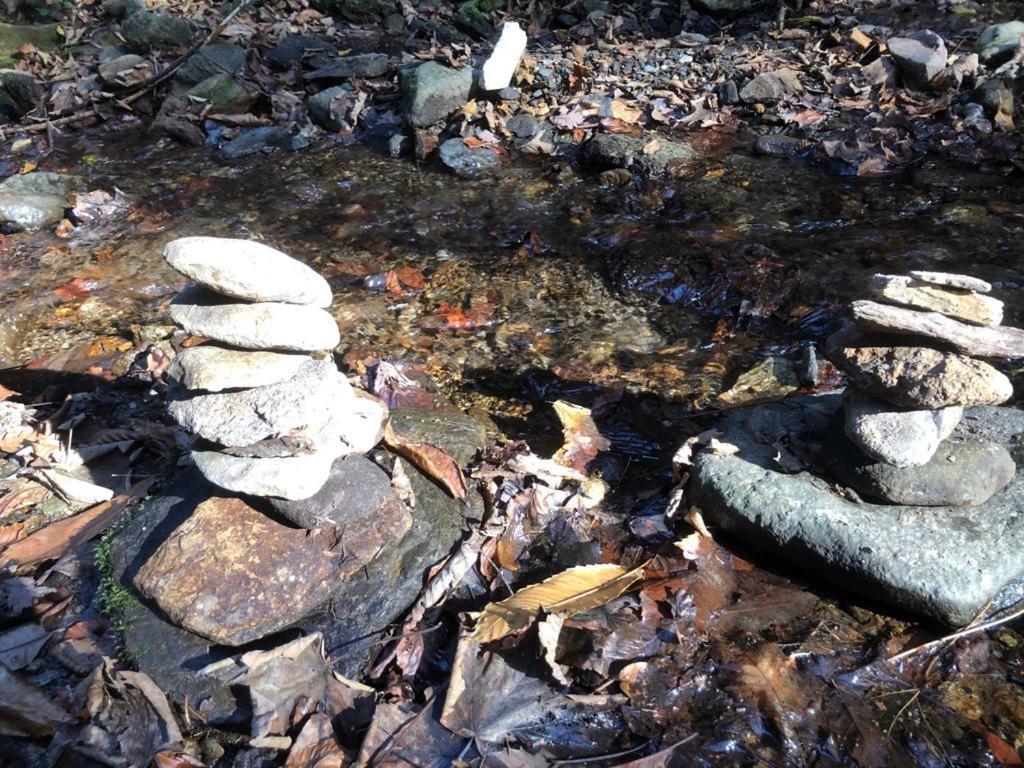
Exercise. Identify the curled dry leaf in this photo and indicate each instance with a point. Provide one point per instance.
(549, 629)
(432, 460)
(570, 592)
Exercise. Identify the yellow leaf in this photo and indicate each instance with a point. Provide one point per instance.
(570, 592)
(28, 167)
(651, 147)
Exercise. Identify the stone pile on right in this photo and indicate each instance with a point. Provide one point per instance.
(917, 354)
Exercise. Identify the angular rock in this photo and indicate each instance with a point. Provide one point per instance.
(458, 434)
(295, 48)
(612, 150)
(240, 418)
(245, 269)
(432, 91)
(945, 562)
(290, 477)
(915, 377)
(266, 325)
(970, 339)
(145, 31)
(963, 282)
(347, 67)
(967, 306)
(497, 71)
(900, 438)
(217, 58)
(960, 474)
(124, 69)
(330, 107)
(469, 162)
(212, 368)
(221, 94)
(523, 125)
(770, 86)
(998, 43)
(19, 94)
(233, 575)
(265, 139)
(356, 489)
(920, 57)
(881, 72)
(34, 200)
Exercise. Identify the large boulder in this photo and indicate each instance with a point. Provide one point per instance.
(145, 31)
(944, 562)
(432, 91)
(34, 200)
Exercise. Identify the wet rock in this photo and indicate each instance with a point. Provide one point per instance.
(970, 307)
(356, 489)
(398, 144)
(124, 69)
(915, 377)
(431, 92)
(507, 94)
(458, 434)
(19, 95)
(120, 9)
(523, 125)
(266, 139)
(347, 67)
(999, 42)
(497, 71)
(394, 24)
(921, 57)
(963, 282)
(34, 200)
(246, 269)
(906, 438)
(223, 95)
(217, 58)
(985, 341)
(610, 150)
(944, 562)
(250, 415)
(267, 325)
(723, 7)
(287, 477)
(770, 86)
(778, 145)
(146, 31)
(329, 108)
(231, 574)
(179, 129)
(296, 48)
(212, 368)
(960, 474)
(728, 93)
(469, 162)
(996, 97)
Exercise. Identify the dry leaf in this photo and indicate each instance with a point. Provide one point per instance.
(583, 440)
(26, 710)
(176, 759)
(432, 460)
(316, 745)
(548, 631)
(651, 147)
(569, 592)
(20, 645)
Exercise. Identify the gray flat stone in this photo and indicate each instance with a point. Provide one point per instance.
(970, 339)
(355, 490)
(245, 269)
(469, 162)
(240, 418)
(902, 438)
(952, 302)
(920, 57)
(214, 368)
(266, 325)
(944, 562)
(964, 282)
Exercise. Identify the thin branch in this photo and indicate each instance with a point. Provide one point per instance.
(957, 635)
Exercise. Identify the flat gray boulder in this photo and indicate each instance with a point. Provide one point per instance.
(944, 562)
(245, 269)
(213, 368)
(265, 325)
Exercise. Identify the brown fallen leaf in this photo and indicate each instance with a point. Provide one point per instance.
(11, 533)
(316, 745)
(583, 440)
(176, 759)
(432, 460)
(570, 592)
(26, 710)
(48, 543)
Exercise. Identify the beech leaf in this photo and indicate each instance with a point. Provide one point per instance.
(432, 460)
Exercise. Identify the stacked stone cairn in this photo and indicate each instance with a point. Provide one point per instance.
(263, 395)
(916, 357)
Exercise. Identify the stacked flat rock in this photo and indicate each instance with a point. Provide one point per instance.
(263, 392)
(912, 359)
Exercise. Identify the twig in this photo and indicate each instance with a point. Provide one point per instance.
(911, 700)
(957, 635)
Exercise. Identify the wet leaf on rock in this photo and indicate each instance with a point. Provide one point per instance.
(432, 460)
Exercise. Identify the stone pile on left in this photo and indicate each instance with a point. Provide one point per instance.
(263, 393)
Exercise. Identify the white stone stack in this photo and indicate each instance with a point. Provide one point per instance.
(263, 392)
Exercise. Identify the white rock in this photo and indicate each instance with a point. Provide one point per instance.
(244, 269)
(499, 68)
(213, 368)
(267, 325)
(291, 477)
(907, 438)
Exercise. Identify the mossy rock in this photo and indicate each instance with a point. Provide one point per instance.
(45, 37)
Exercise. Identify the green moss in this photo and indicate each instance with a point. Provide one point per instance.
(45, 37)
(113, 598)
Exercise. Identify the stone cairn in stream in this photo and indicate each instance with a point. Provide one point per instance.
(912, 358)
(264, 396)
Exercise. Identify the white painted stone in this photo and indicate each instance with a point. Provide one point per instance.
(499, 68)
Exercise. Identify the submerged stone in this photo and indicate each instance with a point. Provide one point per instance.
(651, 154)
(469, 162)
(34, 200)
(944, 562)
(245, 269)
(266, 325)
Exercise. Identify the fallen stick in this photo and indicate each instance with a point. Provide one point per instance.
(957, 635)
